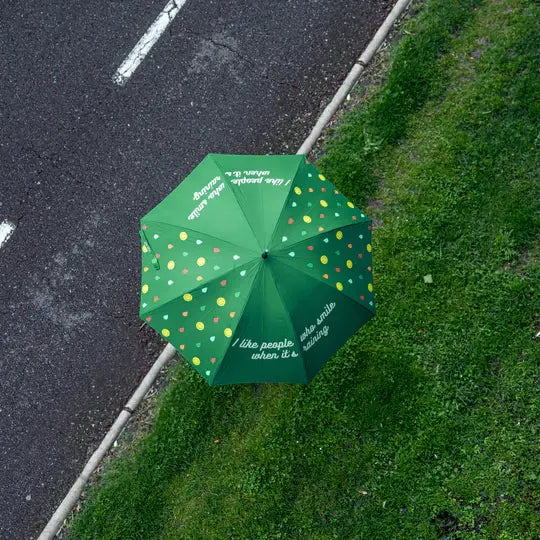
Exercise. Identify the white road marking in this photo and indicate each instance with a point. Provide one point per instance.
(138, 53)
(6, 230)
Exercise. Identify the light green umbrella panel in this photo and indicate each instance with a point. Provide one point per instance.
(256, 268)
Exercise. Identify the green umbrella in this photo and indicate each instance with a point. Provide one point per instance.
(256, 268)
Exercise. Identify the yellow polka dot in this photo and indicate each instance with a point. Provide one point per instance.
(199, 326)
(324, 259)
(144, 249)
(368, 247)
(183, 235)
(170, 265)
(196, 360)
(370, 287)
(165, 332)
(145, 268)
(350, 204)
(199, 278)
(201, 261)
(321, 229)
(339, 235)
(322, 177)
(227, 332)
(339, 286)
(145, 289)
(324, 203)
(298, 191)
(170, 246)
(307, 219)
(220, 301)
(349, 264)
(187, 297)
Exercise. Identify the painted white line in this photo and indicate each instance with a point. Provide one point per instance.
(138, 53)
(6, 230)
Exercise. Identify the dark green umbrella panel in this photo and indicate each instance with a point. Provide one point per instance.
(256, 268)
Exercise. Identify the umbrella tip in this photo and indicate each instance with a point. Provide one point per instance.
(265, 254)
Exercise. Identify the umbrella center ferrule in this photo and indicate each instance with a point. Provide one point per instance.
(265, 254)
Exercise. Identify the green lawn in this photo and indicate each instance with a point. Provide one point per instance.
(424, 425)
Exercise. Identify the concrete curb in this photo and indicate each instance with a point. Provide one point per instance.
(63, 510)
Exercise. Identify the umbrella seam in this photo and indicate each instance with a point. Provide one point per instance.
(235, 330)
(199, 286)
(289, 246)
(300, 162)
(238, 203)
(193, 231)
(286, 310)
(287, 263)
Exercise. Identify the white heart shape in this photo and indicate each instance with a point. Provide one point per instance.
(207, 373)
(371, 303)
(205, 289)
(212, 338)
(236, 257)
(283, 238)
(170, 282)
(243, 273)
(336, 214)
(325, 240)
(165, 317)
(350, 280)
(198, 242)
(291, 254)
(360, 236)
(156, 236)
(294, 205)
(309, 174)
(144, 305)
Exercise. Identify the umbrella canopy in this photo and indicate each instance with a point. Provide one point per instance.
(256, 268)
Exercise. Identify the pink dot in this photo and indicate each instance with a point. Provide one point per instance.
(338, 269)
(180, 329)
(354, 218)
(323, 189)
(291, 221)
(148, 319)
(223, 283)
(216, 250)
(216, 319)
(144, 227)
(321, 216)
(360, 255)
(157, 255)
(362, 297)
(156, 298)
(185, 271)
(213, 360)
(310, 248)
(369, 268)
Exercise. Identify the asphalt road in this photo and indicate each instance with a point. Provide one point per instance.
(83, 158)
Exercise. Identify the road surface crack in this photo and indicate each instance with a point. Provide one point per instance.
(242, 57)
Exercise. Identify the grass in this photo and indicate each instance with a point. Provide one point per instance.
(424, 424)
